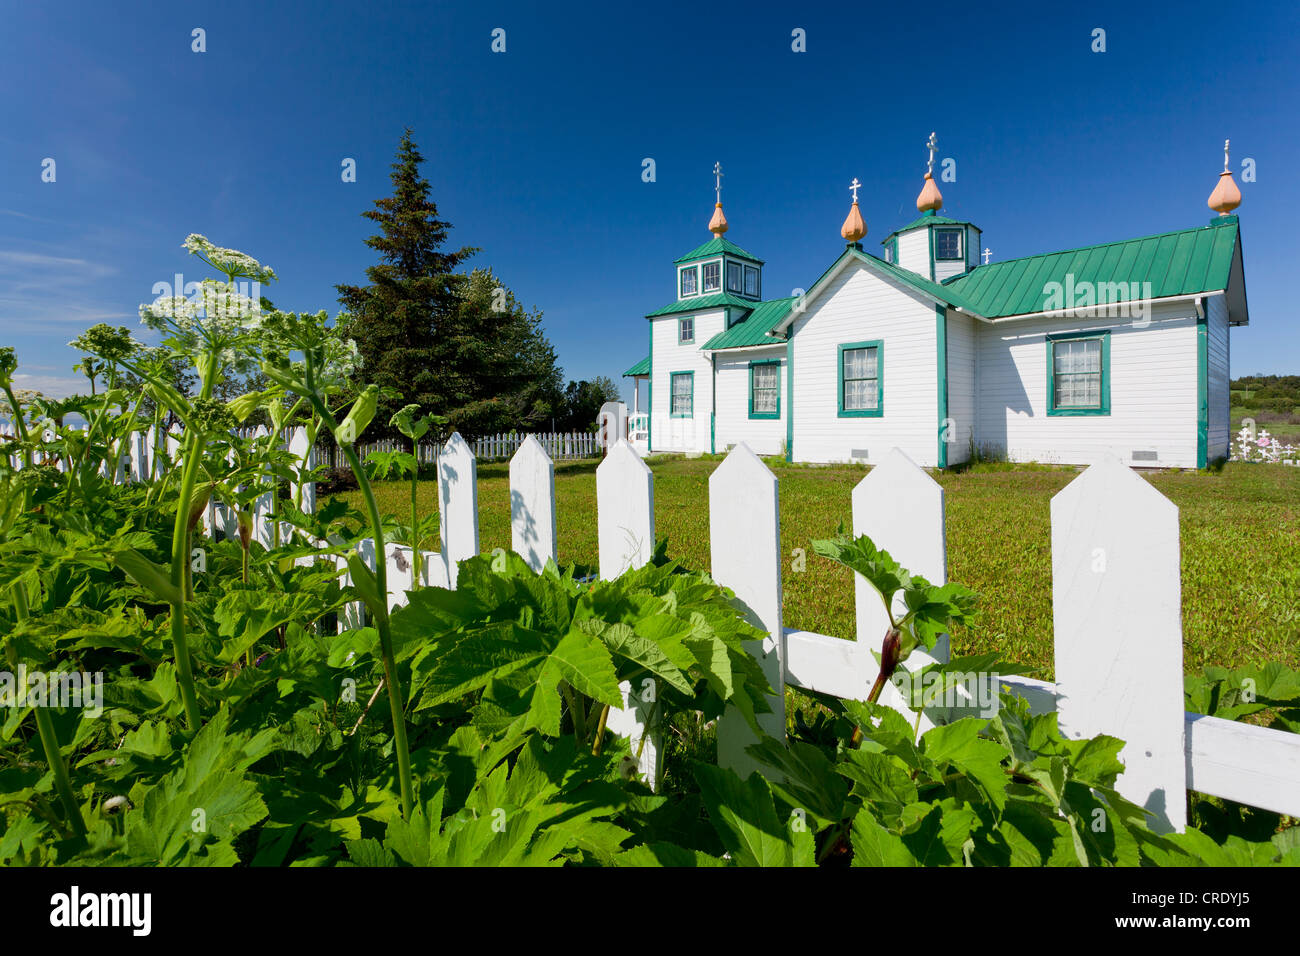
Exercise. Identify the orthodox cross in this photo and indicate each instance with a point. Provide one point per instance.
(1225, 155)
(717, 174)
(931, 145)
(855, 186)
(987, 252)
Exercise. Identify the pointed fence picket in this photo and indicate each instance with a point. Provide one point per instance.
(625, 535)
(1115, 592)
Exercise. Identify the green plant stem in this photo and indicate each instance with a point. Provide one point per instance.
(600, 731)
(385, 633)
(579, 719)
(416, 560)
(180, 561)
(45, 727)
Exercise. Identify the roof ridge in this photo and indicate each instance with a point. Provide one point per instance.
(1095, 245)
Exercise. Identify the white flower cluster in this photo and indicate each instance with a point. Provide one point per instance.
(232, 262)
(216, 312)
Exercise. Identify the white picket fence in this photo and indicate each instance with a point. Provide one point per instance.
(559, 445)
(1115, 588)
(1116, 597)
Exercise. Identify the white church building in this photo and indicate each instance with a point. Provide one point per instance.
(1059, 357)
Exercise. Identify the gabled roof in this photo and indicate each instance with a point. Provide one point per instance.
(714, 247)
(932, 290)
(1174, 263)
(640, 368)
(928, 219)
(702, 303)
(753, 328)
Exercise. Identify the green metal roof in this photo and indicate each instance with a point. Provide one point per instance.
(640, 368)
(715, 247)
(703, 303)
(1175, 263)
(928, 219)
(753, 329)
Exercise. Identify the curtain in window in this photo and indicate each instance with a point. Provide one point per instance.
(860, 379)
(1077, 373)
(681, 394)
(765, 388)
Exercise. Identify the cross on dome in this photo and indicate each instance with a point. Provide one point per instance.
(932, 145)
(717, 174)
(855, 186)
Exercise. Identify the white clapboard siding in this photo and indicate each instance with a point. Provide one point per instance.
(1116, 612)
(906, 324)
(765, 436)
(960, 433)
(625, 515)
(671, 432)
(745, 554)
(532, 504)
(305, 491)
(1153, 398)
(458, 500)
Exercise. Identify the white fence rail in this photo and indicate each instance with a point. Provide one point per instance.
(558, 445)
(1115, 596)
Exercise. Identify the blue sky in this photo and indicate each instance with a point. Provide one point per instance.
(535, 154)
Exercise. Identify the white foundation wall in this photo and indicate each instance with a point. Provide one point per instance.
(1153, 391)
(667, 355)
(765, 436)
(861, 305)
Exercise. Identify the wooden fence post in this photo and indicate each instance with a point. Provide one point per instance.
(458, 501)
(532, 504)
(625, 517)
(745, 549)
(1116, 614)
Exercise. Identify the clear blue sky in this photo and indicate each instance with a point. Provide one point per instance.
(535, 154)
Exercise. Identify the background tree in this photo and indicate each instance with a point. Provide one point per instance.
(460, 346)
(582, 401)
(403, 322)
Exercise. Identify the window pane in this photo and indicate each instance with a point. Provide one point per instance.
(733, 276)
(947, 243)
(751, 281)
(688, 281)
(712, 276)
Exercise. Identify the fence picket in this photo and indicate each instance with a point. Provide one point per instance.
(745, 550)
(458, 501)
(1118, 632)
(625, 517)
(532, 504)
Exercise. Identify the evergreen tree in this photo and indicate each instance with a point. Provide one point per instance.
(457, 345)
(403, 322)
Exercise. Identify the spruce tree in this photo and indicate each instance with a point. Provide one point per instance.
(404, 322)
(457, 345)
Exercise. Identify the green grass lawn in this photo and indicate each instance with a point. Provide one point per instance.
(1240, 548)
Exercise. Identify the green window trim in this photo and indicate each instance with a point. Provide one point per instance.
(682, 337)
(891, 251)
(767, 415)
(1070, 411)
(879, 410)
(672, 389)
(789, 394)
